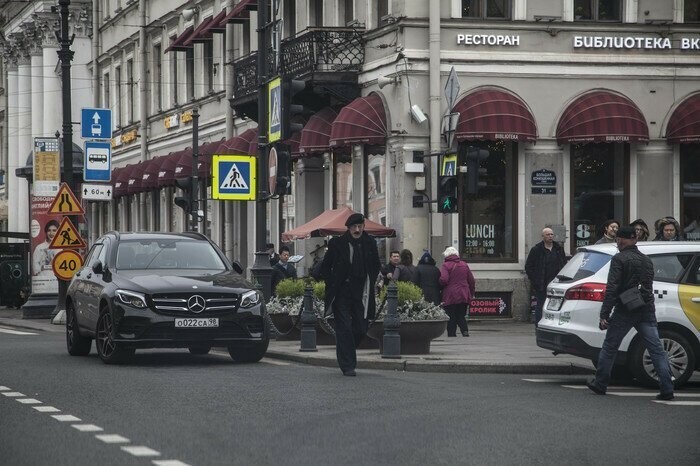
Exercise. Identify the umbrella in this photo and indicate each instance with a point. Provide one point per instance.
(332, 222)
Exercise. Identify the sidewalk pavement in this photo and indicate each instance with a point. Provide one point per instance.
(500, 347)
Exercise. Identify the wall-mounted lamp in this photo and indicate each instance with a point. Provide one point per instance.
(188, 13)
(385, 80)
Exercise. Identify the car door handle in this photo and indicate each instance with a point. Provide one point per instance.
(695, 299)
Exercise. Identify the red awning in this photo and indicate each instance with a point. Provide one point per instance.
(166, 171)
(205, 152)
(332, 222)
(121, 180)
(684, 124)
(362, 121)
(200, 33)
(316, 134)
(602, 116)
(241, 12)
(293, 143)
(240, 144)
(184, 164)
(494, 115)
(133, 185)
(149, 177)
(218, 25)
(178, 45)
(116, 173)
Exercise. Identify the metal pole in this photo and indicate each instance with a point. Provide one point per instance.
(194, 192)
(65, 54)
(308, 322)
(391, 344)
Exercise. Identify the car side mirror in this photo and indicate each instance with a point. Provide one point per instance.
(97, 267)
(237, 267)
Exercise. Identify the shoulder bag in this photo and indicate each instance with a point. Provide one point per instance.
(632, 299)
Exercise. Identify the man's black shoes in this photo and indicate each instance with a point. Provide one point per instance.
(665, 396)
(350, 373)
(594, 388)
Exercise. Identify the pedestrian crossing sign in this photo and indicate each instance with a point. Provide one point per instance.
(233, 177)
(274, 99)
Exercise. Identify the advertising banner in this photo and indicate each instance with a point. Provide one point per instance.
(491, 304)
(43, 229)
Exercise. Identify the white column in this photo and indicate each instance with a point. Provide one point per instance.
(53, 105)
(12, 153)
(24, 135)
(81, 79)
(37, 93)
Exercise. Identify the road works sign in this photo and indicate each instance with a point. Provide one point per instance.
(65, 203)
(233, 177)
(67, 237)
(95, 123)
(66, 263)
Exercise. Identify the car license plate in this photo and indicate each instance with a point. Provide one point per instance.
(553, 304)
(197, 322)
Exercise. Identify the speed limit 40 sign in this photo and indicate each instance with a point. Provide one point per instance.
(66, 263)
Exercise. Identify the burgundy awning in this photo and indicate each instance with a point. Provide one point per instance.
(205, 152)
(293, 143)
(114, 181)
(166, 171)
(240, 144)
(200, 33)
(316, 134)
(149, 177)
(133, 185)
(362, 121)
(218, 25)
(184, 164)
(253, 145)
(121, 180)
(177, 45)
(494, 115)
(684, 124)
(241, 12)
(602, 116)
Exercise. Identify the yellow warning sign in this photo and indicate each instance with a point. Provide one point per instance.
(67, 237)
(66, 203)
(66, 263)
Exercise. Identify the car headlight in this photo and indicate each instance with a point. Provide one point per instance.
(131, 298)
(250, 299)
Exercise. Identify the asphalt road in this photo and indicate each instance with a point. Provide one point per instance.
(172, 408)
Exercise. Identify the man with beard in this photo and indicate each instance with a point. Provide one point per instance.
(350, 268)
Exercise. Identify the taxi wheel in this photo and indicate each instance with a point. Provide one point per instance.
(680, 356)
(77, 344)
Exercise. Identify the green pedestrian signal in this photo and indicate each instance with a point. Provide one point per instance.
(447, 194)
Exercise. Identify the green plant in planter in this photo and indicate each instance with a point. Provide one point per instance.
(406, 291)
(411, 306)
(319, 290)
(290, 288)
(289, 305)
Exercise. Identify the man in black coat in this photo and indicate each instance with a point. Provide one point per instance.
(543, 263)
(282, 269)
(350, 268)
(630, 269)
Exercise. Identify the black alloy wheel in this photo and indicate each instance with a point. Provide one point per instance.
(77, 344)
(109, 351)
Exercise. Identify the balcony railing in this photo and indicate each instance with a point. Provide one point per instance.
(314, 50)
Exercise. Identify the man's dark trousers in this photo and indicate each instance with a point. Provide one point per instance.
(540, 297)
(350, 329)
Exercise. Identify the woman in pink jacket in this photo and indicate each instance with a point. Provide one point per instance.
(457, 283)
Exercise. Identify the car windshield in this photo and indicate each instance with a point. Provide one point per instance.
(167, 254)
(582, 265)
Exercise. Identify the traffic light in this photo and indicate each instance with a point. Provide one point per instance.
(284, 173)
(185, 202)
(290, 88)
(447, 194)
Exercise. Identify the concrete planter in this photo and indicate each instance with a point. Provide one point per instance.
(415, 335)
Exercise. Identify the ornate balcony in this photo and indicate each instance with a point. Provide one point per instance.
(329, 59)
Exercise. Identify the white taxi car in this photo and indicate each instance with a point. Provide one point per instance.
(571, 312)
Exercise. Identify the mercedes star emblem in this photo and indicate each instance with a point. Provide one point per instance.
(196, 304)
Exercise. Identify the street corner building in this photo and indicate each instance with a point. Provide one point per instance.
(560, 113)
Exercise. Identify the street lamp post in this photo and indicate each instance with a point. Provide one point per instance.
(194, 191)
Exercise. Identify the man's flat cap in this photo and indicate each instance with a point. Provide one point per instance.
(627, 233)
(354, 219)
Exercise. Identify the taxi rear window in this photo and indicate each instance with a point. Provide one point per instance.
(582, 265)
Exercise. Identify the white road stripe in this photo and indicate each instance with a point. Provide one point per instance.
(169, 463)
(4, 388)
(87, 427)
(575, 387)
(46, 409)
(678, 403)
(545, 380)
(112, 438)
(15, 332)
(13, 394)
(141, 451)
(274, 362)
(29, 401)
(65, 418)
(633, 393)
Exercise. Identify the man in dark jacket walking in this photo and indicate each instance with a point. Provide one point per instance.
(630, 269)
(350, 268)
(543, 263)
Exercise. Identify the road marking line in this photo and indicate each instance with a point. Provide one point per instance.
(4, 388)
(678, 403)
(141, 451)
(633, 393)
(13, 394)
(112, 438)
(169, 463)
(46, 409)
(87, 427)
(29, 401)
(575, 387)
(65, 417)
(545, 380)
(15, 332)
(274, 362)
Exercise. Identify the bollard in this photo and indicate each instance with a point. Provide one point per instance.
(308, 322)
(391, 347)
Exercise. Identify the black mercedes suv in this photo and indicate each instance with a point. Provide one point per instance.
(163, 290)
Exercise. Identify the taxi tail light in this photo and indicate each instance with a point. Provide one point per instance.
(587, 292)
